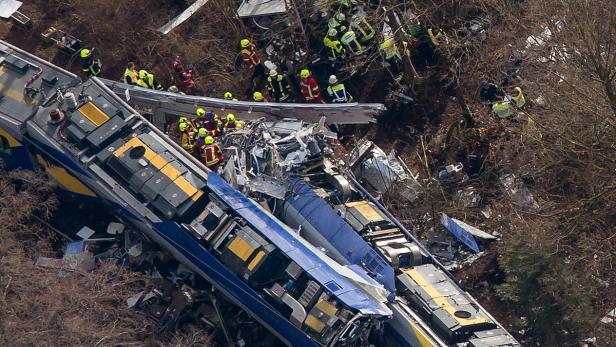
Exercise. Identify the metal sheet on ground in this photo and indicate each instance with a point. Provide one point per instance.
(9, 7)
(255, 8)
(165, 29)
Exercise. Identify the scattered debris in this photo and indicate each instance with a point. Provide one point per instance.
(609, 317)
(518, 192)
(468, 197)
(381, 171)
(77, 257)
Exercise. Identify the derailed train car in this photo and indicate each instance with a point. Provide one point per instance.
(351, 276)
(295, 174)
(97, 147)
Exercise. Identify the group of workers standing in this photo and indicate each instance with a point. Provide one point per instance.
(279, 86)
(198, 136)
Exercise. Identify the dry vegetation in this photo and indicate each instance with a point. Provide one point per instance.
(39, 308)
(551, 276)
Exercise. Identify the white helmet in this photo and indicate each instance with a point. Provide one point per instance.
(333, 79)
(340, 17)
(332, 32)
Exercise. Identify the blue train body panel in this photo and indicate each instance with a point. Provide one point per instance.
(339, 233)
(286, 240)
(220, 274)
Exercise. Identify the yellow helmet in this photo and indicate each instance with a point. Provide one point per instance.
(304, 73)
(84, 53)
(200, 112)
(183, 126)
(273, 73)
(228, 96)
(244, 43)
(173, 89)
(142, 74)
(202, 132)
(230, 117)
(209, 140)
(183, 120)
(257, 96)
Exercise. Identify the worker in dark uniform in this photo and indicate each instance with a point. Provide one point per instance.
(89, 66)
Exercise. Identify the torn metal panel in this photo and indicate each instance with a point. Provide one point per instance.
(255, 8)
(185, 105)
(268, 185)
(460, 232)
(9, 7)
(179, 19)
(382, 171)
(518, 192)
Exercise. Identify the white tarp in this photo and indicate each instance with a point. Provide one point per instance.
(165, 29)
(8, 7)
(254, 8)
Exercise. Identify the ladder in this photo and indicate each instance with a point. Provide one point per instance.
(297, 27)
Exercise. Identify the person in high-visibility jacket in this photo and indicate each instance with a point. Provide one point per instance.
(435, 38)
(337, 22)
(519, 99)
(360, 24)
(147, 80)
(232, 124)
(278, 86)
(392, 57)
(259, 97)
(212, 155)
(309, 87)
(213, 124)
(199, 143)
(189, 125)
(89, 66)
(337, 91)
(186, 137)
(130, 74)
(337, 52)
(349, 40)
(502, 109)
(229, 96)
(250, 56)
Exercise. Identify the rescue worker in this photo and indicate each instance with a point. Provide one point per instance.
(130, 74)
(278, 86)
(349, 40)
(337, 52)
(392, 57)
(184, 75)
(186, 137)
(147, 80)
(337, 22)
(258, 97)
(232, 124)
(434, 38)
(229, 96)
(519, 99)
(251, 57)
(184, 120)
(201, 118)
(337, 91)
(502, 109)
(213, 124)
(88, 65)
(199, 143)
(212, 155)
(361, 25)
(309, 87)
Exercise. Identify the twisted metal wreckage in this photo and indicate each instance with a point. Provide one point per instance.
(284, 246)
